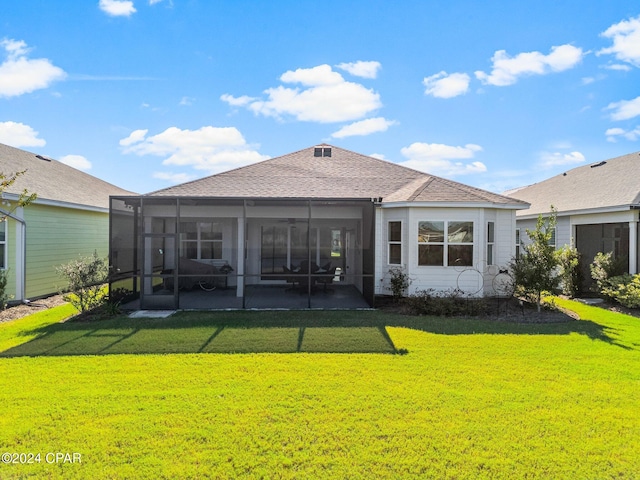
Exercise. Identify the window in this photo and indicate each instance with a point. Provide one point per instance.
(201, 240)
(453, 249)
(3, 244)
(552, 240)
(395, 243)
(490, 242)
(518, 243)
(321, 152)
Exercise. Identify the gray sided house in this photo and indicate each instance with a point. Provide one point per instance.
(317, 228)
(69, 218)
(597, 205)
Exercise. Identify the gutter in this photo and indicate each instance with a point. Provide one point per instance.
(23, 277)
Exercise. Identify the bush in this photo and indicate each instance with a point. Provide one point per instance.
(604, 267)
(400, 281)
(624, 289)
(85, 277)
(4, 298)
(569, 272)
(446, 304)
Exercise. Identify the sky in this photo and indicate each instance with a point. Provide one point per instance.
(146, 94)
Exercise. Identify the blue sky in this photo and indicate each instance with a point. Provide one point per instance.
(149, 93)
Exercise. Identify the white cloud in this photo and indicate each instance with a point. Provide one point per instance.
(361, 69)
(241, 101)
(174, 178)
(379, 156)
(439, 159)
(213, 149)
(20, 75)
(76, 161)
(19, 135)
(618, 66)
(443, 85)
(624, 109)
(117, 8)
(326, 98)
(626, 41)
(507, 70)
(186, 101)
(614, 133)
(556, 159)
(364, 127)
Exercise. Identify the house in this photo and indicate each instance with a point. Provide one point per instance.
(318, 228)
(597, 206)
(69, 217)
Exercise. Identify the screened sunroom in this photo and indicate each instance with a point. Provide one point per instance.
(234, 253)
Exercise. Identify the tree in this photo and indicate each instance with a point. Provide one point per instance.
(85, 277)
(24, 199)
(534, 271)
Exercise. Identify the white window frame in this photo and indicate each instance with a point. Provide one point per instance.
(394, 242)
(491, 241)
(446, 243)
(553, 240)
(5, 225)
(518, 242)
(199, 241)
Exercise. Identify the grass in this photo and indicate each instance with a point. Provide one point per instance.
(471, 399)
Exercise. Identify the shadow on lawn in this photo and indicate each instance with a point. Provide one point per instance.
(208, 333)
(271, 332)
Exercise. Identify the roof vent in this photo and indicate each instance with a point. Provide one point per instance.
(42, 157)
(322, 152)
(598, 164)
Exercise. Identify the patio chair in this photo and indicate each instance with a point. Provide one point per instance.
(290, 277)
(327, 278)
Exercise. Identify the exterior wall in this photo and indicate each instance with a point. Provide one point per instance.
(56, 236)
(11, 247)
(475, 279)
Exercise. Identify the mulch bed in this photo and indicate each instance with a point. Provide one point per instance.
(22, 310)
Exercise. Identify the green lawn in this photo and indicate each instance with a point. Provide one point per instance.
(322, 395)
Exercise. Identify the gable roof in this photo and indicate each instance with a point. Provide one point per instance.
(610, 184)
(54, 181)
(345, 174)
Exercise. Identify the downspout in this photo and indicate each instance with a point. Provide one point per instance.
(23, 277)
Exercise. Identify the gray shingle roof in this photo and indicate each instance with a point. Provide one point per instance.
(613, 183)
(345, 174)
(53, 180)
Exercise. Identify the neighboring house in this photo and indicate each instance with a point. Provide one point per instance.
(597, 207)
(320, 227)
(69, 218)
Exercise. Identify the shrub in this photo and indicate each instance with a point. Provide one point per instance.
(400, 281)
(85, 277)
(569, 272)
(624, 289)
(604, 267)
(4, 297)
(451, 303)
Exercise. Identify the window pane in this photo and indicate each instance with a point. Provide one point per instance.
(489, 254)
(209, 250)
(395, 253)
(460, 255)
(430, 232)
(431, 255)
(2, 265)
(189, 249)
(490, 232)
(3, 229)
(395, 231)
(210, 231)
(188, 231)
(460, 232)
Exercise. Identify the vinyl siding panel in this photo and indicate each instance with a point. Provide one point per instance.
(56, 236)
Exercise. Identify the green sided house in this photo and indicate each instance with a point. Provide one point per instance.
(318, 228)
(69, 218)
